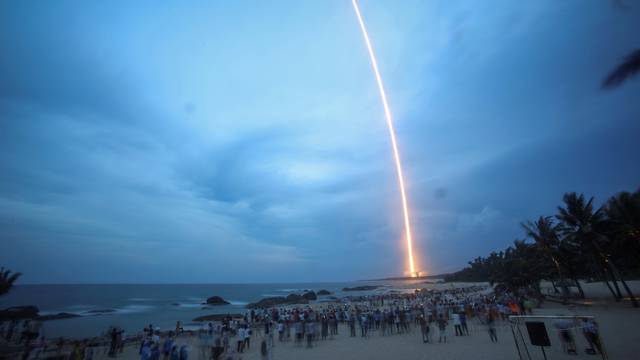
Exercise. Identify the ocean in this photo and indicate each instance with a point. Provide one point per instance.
(133, 307)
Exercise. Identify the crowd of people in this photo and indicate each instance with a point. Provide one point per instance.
(436, 314)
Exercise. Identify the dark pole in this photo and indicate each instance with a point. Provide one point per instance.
(515, 339)
(523, 342)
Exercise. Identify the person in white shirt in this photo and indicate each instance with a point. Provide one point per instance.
(457, 324)
(240, 339)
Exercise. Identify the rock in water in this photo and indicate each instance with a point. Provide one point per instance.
(19, 313)
(324, 292)
(291, 299)
(217, 300)
(361, 288)
(101, 311)
(268, 302)
(58, 316)
(311, 295)
(296, 299)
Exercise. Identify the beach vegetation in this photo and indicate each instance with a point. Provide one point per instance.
(579, 242)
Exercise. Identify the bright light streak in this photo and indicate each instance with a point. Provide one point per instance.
(392, 134)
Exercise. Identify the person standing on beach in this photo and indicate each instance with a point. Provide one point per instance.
(287, 328)
(175, 353)
(491, 325)
(268, 331)
(145, 350)
(352, 325)
(240, 339)
(217, 349)
(333, 325)
(463, 323)
(266, 352)
(383, 323)
(113, 334)
(566, 338)
(424, 328)
(155, 352)
(442, 327)
(225, 339)
(122, 337)
(310, 332)
(590, 331)
(280, 331)
(324, 327)
(457, 324)
(299, 331)
(167, 346)
(184, 353)
(203, 343)
(364, 325)
(247, 336)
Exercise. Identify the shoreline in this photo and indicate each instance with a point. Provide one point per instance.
(597, 303)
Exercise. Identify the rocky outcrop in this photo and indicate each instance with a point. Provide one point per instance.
(101, 311)
(58, 316)
(361, 288)
(19, 313)
(296, 299)
(217, 300)
(291, 299)
(217, 317)
(311, 295)
(324, 292)
(268, 302)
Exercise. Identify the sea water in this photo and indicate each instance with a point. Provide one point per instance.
(132, 307)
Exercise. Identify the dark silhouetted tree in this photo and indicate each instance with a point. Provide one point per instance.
(7, 279)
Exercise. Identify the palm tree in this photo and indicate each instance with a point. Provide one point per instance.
(623, 228)
(623, 212)
(580, 225)
(7, 279)
(545, 233)
(625, 70)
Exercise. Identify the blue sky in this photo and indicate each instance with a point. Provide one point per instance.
(245, 141)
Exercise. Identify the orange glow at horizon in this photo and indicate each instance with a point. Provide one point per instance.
(392, 134)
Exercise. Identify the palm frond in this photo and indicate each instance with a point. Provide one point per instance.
(624, 71)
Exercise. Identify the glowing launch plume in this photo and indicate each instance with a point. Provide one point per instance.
(392, 134)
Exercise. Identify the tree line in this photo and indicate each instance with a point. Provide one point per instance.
(579, 242)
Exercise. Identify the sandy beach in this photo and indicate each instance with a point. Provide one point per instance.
(616, 321)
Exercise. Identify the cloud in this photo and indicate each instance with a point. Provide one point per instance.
(204, 143)
(484, 220)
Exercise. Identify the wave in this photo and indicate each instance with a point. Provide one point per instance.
(238, 303)
(134, 309)
(293, 290)
(128, 309)
(190, 305)
(192, 298)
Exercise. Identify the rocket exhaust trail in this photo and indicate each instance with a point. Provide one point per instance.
(392, 134)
